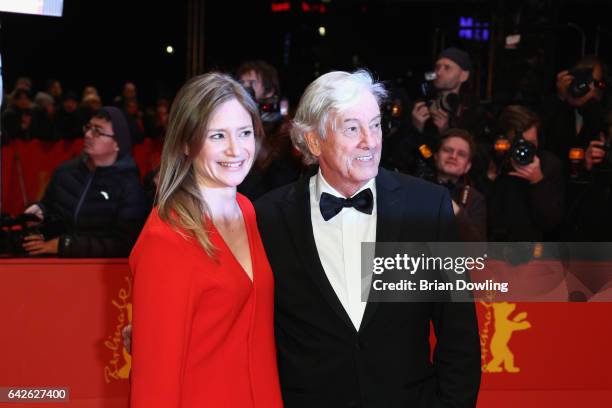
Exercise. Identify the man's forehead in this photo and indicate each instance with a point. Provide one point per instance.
(457, 141)
(250, 75)
(446, 61)
(101, 122)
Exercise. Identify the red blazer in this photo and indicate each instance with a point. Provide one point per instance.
(203, 333)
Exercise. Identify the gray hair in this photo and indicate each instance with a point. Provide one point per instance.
(325, 97)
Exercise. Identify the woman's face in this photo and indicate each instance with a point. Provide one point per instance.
(228, 150)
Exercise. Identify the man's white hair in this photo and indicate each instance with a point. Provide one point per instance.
(325, 98)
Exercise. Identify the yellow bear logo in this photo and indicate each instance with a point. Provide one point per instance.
(504, 328)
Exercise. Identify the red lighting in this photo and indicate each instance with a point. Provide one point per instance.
(314, 8)
(279, 7)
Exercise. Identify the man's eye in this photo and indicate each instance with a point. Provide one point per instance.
(351, 130)
(375, 126)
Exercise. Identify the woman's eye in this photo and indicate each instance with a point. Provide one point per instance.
(216, 136)
(246, 133)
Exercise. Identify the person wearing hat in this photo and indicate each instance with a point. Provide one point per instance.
(453, 69)
(94, 206)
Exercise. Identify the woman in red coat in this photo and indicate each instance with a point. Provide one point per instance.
(203, 291)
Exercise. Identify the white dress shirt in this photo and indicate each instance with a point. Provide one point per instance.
(338, 242)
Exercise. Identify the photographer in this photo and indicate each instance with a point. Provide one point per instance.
(453, 160)
(526, 193)
(277, 163)
(574, 116)
(449, 104)
(94, 206)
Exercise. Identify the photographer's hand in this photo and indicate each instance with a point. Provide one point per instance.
(36, 210)
(420, 115)
(564, 79)
(531, 172)
(595, 153)
(440, 119)
(36, 245)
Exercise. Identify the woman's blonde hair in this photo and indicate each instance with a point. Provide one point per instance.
(179, 200)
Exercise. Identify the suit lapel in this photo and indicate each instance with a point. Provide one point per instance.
(297, 216)
(389, 210)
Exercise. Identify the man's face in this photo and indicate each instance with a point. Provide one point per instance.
(349, 156)
(252, 80)
(129, 90)
(453, 158)
(100, 144)
(449, 76)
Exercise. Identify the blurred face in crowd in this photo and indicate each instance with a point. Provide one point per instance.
(228, 150)
(350, 154)
(129, 90)
(449, 76)
(70, 105)
(55, 89)
(453, 159)
(131, 107)
(100, 144)
(251, 79)
(23, 102)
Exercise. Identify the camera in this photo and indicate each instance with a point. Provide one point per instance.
(13, 230)
(449, 103)
(581, 84)
(520, 150)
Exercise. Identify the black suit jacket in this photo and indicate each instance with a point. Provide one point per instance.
(323, 361)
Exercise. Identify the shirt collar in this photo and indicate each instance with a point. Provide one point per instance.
(322, 186)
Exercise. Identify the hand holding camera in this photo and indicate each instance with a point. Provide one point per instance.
(595, 153)
(531, 172)
(36, 245)
(37, 211)
(420, 115)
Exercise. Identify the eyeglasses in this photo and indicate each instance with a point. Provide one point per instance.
(96, 131)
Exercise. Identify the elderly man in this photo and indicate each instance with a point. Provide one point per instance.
(335, 350)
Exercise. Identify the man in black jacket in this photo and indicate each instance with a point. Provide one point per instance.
(525, 202)
(94, 206)
(334, 349)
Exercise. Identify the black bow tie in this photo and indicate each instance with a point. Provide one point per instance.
(331, 205)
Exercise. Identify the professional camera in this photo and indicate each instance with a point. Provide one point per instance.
(271, 109)
(449, 103)
(520, 150)
(581, 84)
(12, 232)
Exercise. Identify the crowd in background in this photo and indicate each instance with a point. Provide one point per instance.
(445, 134)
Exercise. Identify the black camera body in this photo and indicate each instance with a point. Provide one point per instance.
(522, 151)
(13, 230)
(449, 103)
(580, 85)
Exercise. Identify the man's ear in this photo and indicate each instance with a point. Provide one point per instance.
(468, 167)
(465, 75)
(314, 143)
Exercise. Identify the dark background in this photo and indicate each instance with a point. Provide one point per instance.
(107, 43)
